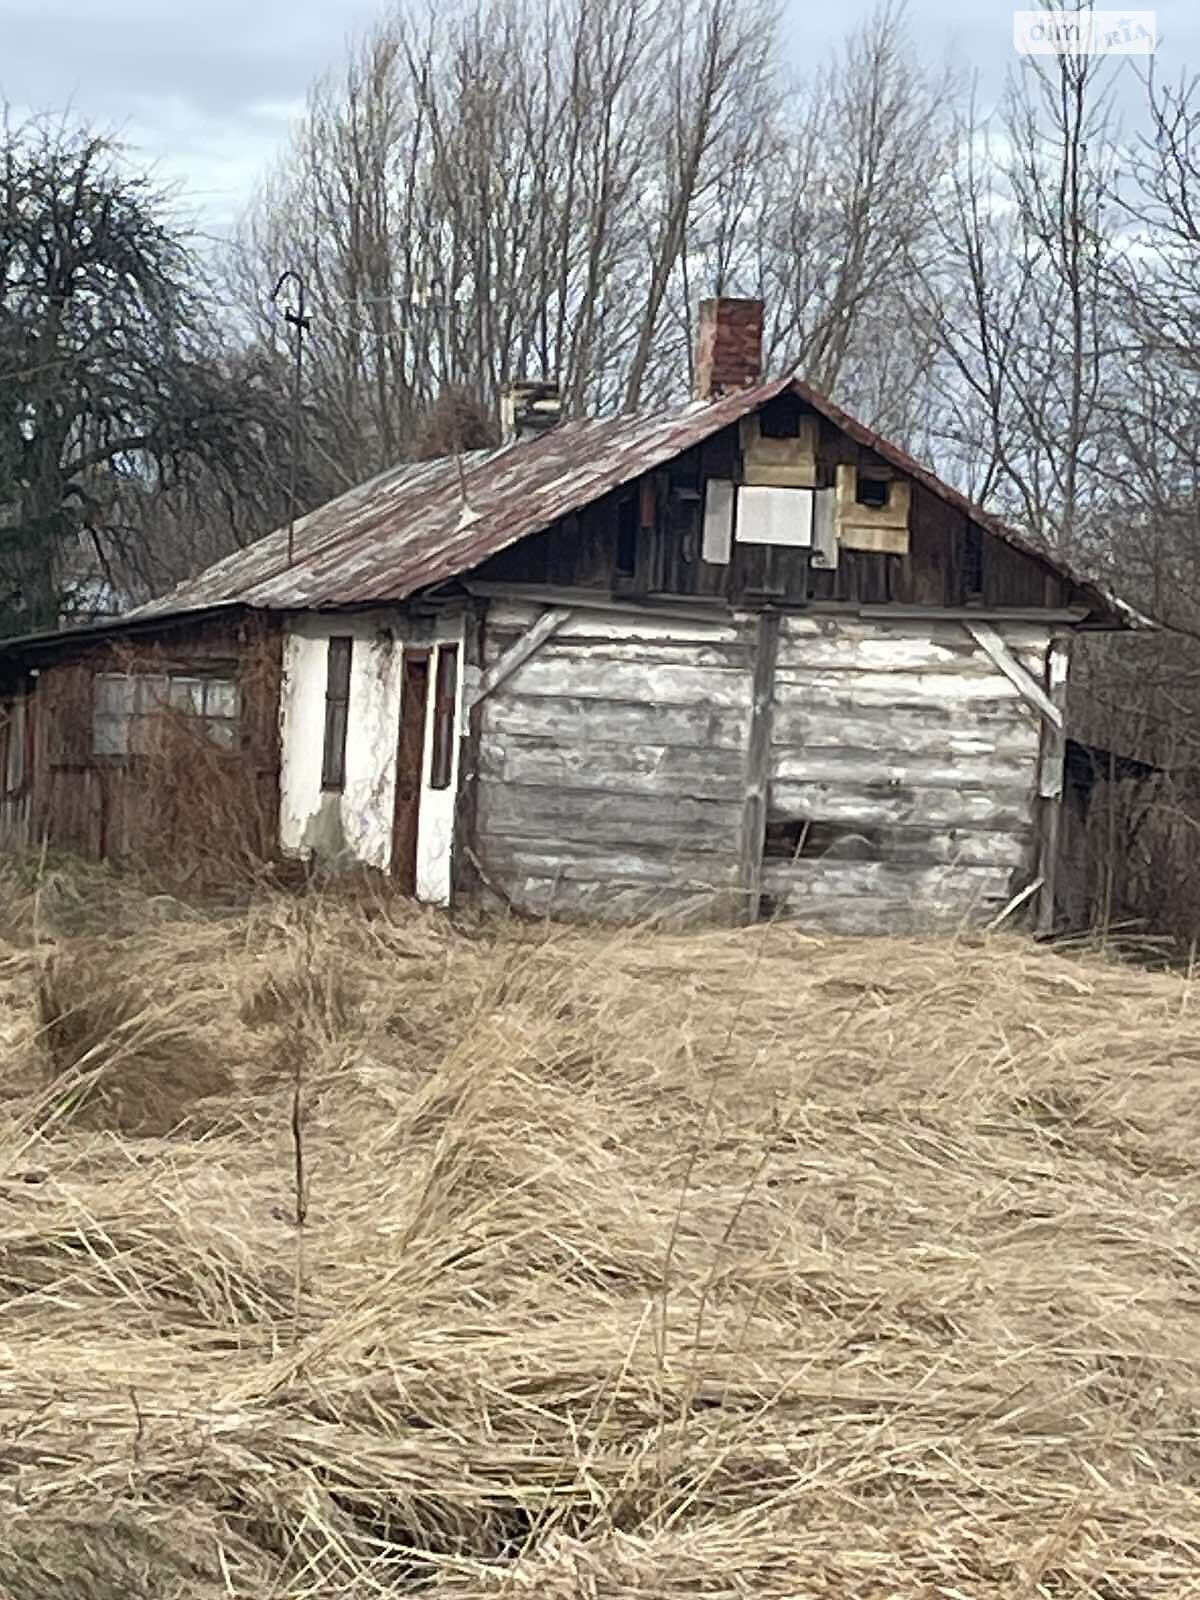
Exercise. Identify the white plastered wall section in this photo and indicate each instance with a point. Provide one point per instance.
(355, 824)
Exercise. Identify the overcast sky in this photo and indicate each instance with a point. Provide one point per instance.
(205, 89)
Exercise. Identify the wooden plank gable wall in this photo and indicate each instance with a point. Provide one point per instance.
(949, 563)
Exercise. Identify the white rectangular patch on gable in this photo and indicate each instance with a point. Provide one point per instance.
(775, 516)
(717, 545)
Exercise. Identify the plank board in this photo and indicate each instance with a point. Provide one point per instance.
(1002, 808)
(882, 689)
(616, 902)
(641, 682)
(935, 885)
(514, 617)
(613, 768)
(735, 655)
(879, 654)
(581, 720)
(973, 731)
(541, 814)
(902, 769)
(875, 915)
(823, 625)
(635, 864)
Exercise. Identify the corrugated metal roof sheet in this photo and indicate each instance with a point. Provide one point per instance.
(410, 528)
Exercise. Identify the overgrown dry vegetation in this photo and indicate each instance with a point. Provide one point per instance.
(627, 1263)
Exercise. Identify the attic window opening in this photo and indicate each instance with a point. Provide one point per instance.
(125, 707)
(873, 492)
(627, 535)
(973, 562)
(780, 419)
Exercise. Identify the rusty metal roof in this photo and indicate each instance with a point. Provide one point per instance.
(411, 527)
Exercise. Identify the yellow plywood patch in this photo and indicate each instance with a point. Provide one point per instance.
(779, 463)
(883, 529)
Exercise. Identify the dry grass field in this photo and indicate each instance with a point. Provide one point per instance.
(343, 1252)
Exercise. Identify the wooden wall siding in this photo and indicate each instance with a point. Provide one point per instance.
(581, 551)
(610, 765)
(104, 807)
(902, 769)
(904, 774)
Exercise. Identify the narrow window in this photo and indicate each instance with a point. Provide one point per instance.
(627, 537)
(973, 562)
(112, 712)
(445, 698)
(337, 714)
(873, 492)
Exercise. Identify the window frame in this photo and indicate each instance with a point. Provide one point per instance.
(339, 668)
(445, 717)
(150, 692)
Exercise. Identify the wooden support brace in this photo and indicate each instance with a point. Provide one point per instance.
(1050, 700)
(546, 626)
(991, 643)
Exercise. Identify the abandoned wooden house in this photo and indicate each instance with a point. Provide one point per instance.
(744, 657)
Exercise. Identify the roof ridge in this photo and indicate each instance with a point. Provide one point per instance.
(402, 530)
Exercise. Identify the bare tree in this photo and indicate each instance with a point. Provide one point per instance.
(114, 379)
(1018, 298)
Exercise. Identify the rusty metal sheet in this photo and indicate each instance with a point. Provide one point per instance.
(409, 528)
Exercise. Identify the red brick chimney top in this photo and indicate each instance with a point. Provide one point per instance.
(728, 346)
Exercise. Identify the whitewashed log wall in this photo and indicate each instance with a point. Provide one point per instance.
(904, 740)
(613, 768)
(611, 762)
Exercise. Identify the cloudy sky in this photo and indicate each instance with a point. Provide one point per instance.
(205, 89)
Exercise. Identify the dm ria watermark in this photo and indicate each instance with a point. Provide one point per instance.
(1089, 33)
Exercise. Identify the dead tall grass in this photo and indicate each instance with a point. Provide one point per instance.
(634, 1264)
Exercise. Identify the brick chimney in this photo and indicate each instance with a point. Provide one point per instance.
(728, 346)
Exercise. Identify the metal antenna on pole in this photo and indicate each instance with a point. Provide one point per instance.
(441, 309)
(296, 316)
